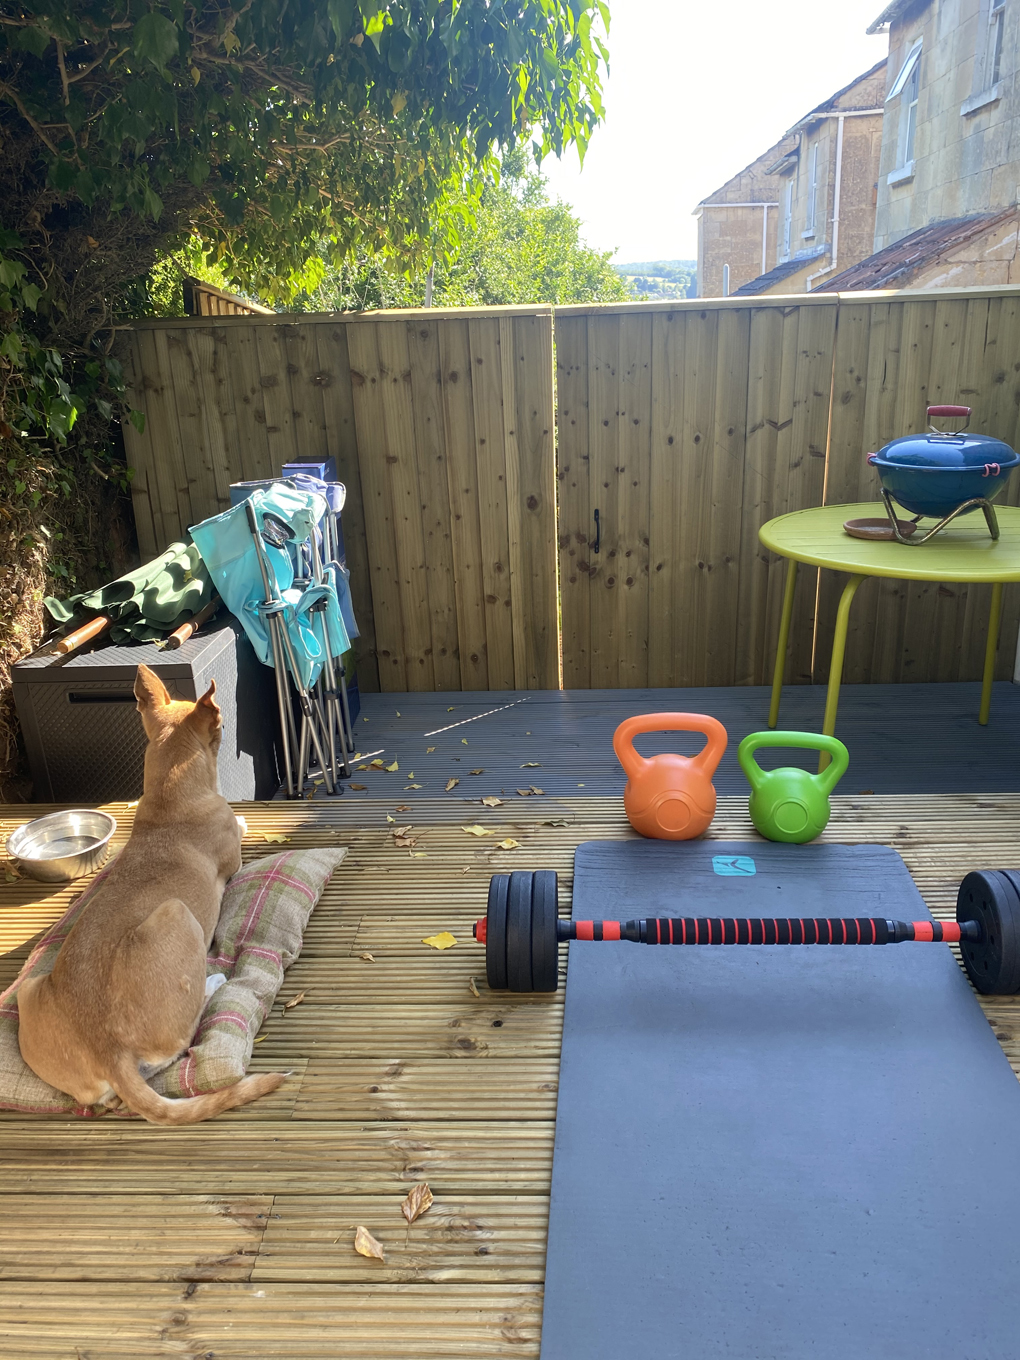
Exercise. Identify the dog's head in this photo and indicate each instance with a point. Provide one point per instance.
(164, 718)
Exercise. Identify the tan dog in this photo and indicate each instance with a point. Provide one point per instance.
(129, 983)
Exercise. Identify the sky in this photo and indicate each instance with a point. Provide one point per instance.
(695, 92)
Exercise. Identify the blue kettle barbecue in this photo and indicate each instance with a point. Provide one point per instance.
(938, 475)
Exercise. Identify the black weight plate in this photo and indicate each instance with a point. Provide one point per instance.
(544, 945)
(989, 897)
(495, 932)
(518, 933)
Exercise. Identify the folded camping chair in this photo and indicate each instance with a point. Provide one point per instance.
(294, 622)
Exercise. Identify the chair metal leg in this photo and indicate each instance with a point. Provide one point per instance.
(784, 641)
(991, 646)
(836, 663)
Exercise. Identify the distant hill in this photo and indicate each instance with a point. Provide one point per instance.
(660, 278)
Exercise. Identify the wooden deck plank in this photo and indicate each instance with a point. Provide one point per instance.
(373, 1322)
(127, 1239)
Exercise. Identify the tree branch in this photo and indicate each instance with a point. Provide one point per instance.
(63, 72)
(12, 95)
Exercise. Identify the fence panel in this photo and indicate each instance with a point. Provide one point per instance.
(441, 424)
(895, 356)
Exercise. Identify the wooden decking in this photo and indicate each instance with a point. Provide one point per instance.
(234, 1238)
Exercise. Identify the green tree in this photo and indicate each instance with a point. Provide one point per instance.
(518, 248)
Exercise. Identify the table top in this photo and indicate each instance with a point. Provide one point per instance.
(962, 552)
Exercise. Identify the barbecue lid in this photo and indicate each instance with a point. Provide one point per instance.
(946, 449)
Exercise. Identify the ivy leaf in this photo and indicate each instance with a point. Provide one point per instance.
(156, 39)
(137, 419)
(33, 40)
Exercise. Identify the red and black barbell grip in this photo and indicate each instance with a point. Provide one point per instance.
(762, 930)
(783, 930)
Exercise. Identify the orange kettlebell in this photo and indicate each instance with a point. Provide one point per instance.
(670, 797)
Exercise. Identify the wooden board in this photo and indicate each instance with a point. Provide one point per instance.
(235, 1236)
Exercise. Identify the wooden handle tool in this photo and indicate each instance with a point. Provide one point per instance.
(189, 629)
(81, 635)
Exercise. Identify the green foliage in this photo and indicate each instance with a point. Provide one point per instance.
(661, 279)
(271, 125)
(518, 248)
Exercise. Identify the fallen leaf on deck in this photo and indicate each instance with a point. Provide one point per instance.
(11, 876)
(463, 741)
(362, 787)
(411, 786)
(404, 842)
(444, 940)
(366, 1245)
(558, 821)
(866, 791)
(377, 764)
(525, 793)
(134, 804)
(419, 854)
(449, 710)
(477, 830)
(476, 771)
(417, 1202)
(410, 774)
(398, 712)
(389, 818)
(262, 1038)
(294, 1001)
(403, 807)
(275, 837)
(364, 767)
(509, 844)
(451, 784)
(473, 989)
(532, 765)
(356, 755)
(580, 786)
(392, 768)
(369, 958)
(537, 791)
(492, 801)
(429, 750)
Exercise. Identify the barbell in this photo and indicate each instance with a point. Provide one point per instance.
(522, 931)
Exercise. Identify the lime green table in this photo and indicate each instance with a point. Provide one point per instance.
(963, 552)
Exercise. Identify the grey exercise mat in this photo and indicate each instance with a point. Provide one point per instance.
(777, 1153)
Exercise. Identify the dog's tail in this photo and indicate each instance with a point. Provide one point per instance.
(138, 1096)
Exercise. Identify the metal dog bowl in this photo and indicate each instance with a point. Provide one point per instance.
(62, 845)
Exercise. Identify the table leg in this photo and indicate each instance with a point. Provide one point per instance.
(784, 641)
(836, 664)
(991, 646)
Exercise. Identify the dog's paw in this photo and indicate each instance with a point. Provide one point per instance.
(243, 825)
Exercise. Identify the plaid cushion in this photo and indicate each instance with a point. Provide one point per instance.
(265, 908)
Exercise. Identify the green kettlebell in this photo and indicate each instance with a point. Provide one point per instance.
(790, 804)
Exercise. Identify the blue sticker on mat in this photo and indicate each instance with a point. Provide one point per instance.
(734, 866)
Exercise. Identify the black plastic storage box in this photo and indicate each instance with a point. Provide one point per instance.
(83, 734)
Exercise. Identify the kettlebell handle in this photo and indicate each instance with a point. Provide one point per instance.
(802, 741)
(705, 762)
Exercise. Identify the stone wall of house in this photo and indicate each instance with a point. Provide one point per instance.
(966, 156)
(733, 236)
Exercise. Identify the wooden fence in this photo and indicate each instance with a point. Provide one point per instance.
(688, 425)
(685, 425)
(441, 425)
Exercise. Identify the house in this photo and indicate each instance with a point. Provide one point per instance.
(805, 207)
(738, 226)
(948, 188)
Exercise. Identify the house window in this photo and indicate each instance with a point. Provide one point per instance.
(988, 58)
(906, 87)
(809, 225)
(996, 23)
(787, 219)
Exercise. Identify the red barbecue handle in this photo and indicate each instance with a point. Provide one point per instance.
(949, 410)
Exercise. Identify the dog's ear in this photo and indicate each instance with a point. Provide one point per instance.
(207, 711)
(150, 691)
